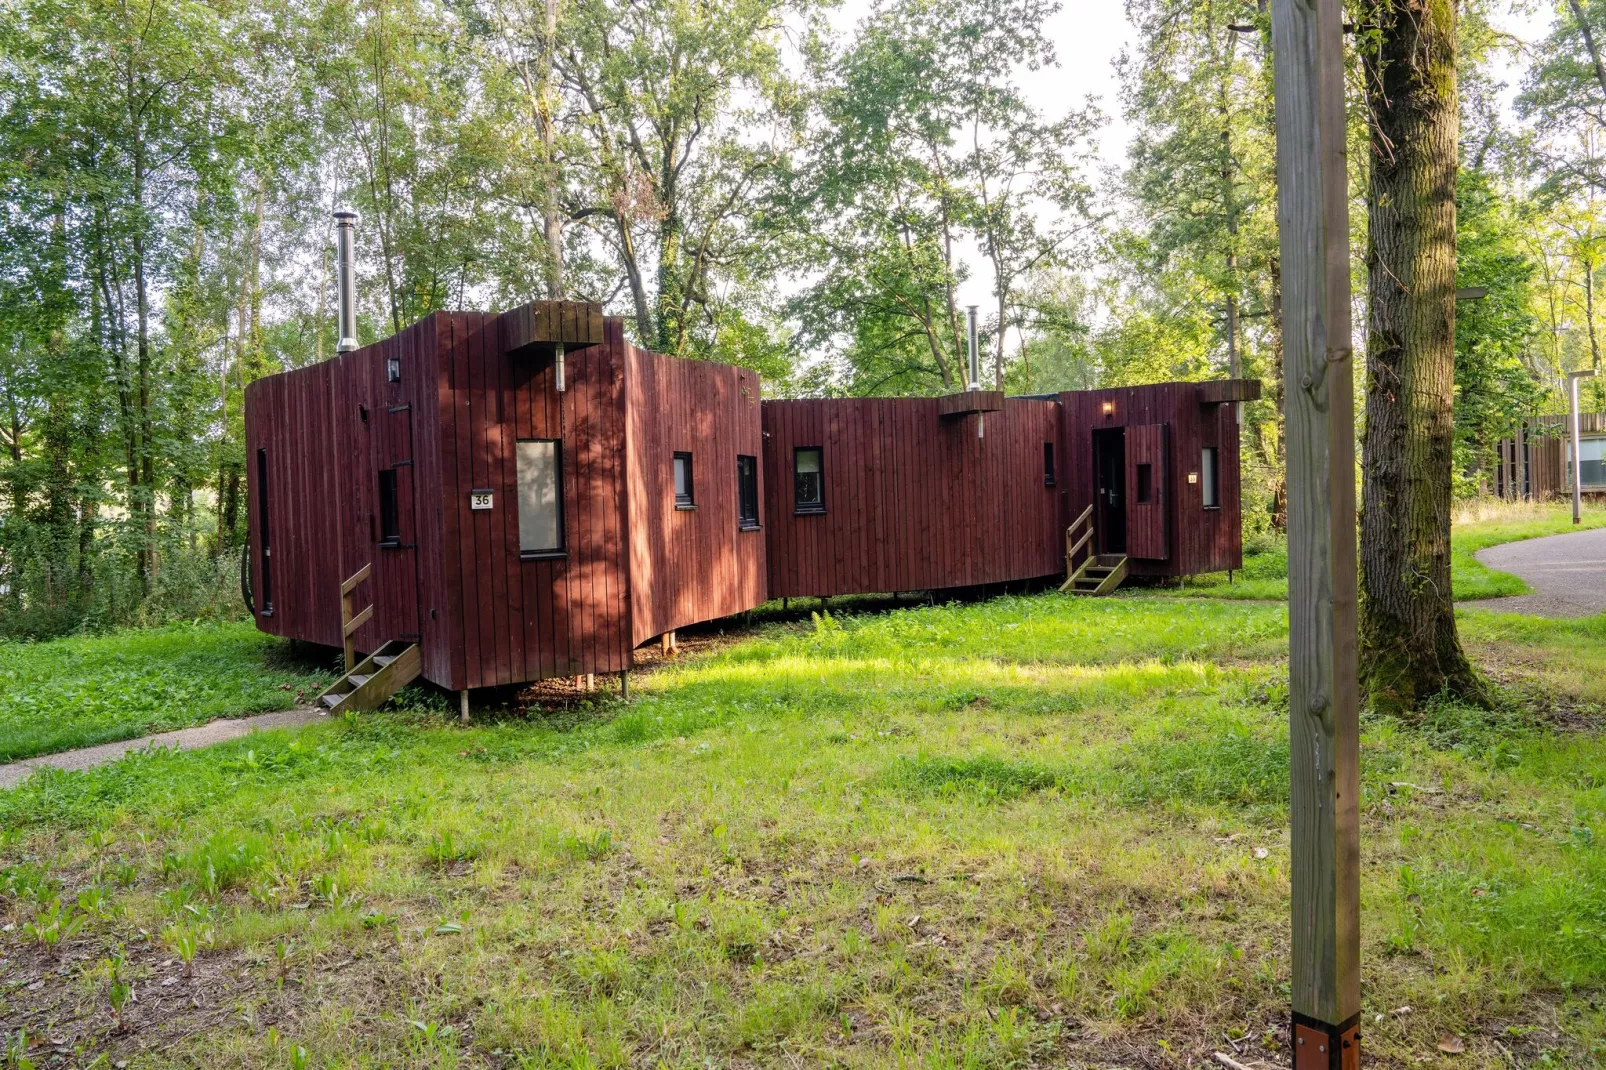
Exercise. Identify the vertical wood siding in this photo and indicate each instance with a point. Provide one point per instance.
(529, 619)
(689, 565)
(913, 501)
(324, 460)
(1197, 539)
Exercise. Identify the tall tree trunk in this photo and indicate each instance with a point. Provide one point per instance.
(1409, 648)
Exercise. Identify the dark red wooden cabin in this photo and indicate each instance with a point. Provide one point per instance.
(408, 455)
(516, 532)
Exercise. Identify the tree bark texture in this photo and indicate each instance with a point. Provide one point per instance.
(1410, 651)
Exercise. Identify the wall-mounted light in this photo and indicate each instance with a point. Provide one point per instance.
(1109, 408)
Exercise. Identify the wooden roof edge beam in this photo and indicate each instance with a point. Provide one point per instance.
(1222, 391)
(970, 401)
(539, 326)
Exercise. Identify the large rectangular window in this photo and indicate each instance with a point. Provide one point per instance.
(1145, 484)
(540, 464)
(1048, 464)
(747, 492)
(1593, 452)
(389, 513)
(1210, 477)
(808, 479)
(684, 498)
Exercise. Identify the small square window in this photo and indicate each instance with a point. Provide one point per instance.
(393, 369)
(808, 479)
(747, 493)
(1210, 477)
(684, 498)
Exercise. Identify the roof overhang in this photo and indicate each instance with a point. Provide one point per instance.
(971, 401)
(1221, 391)
(538, 328)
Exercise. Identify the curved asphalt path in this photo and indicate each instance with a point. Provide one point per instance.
(1567, 573)
(201, 735)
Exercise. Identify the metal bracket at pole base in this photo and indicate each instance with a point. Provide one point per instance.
(1319, 1046)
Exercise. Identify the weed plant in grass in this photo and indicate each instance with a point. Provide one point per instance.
(1034, 831)
(77, 692)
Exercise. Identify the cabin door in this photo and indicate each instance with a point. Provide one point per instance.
(396, 590)
(1146, 481)
(1109, 490)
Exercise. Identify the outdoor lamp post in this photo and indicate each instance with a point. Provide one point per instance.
(1578, 456)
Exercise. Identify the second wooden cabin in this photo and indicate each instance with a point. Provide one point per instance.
(515, 531)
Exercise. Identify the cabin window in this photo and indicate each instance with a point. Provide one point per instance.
(747, 492)
(1048, 464)
(683, 486)
(808, 479)
(393, 370)
(1210, 477)
(540, 464)
(262, 534)
(1145, 484)
(389, 514)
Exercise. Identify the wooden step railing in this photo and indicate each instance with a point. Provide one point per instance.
(350, 621)
(1077, 537)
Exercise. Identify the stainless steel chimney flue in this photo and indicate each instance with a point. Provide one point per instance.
(557, 369)
(346, 278)
(975, 355)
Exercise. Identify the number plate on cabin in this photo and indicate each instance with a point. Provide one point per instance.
(481, 499)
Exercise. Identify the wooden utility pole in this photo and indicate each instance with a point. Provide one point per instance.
(1324, 722)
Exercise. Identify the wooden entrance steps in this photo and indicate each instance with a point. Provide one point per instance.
(1097, 575)
(372, 681)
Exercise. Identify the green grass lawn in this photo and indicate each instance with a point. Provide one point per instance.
(1265, 573)
(85, 690)
(1035, 831)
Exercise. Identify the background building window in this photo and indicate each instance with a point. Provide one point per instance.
(1210, 477)
(808, 479)
(1048, 464)
(540, 497)
(389, 514)
(683, 489)
(747, 492)
(1593, 452)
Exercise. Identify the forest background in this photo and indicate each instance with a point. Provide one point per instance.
(775, 183)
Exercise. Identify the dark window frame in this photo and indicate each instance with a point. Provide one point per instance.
(561, 550)
(747, 493)
(1143, 492)
(687, 500)
(264, 537)
(809, 508)
(389, 509)
(1048, 465)
(1210, 477)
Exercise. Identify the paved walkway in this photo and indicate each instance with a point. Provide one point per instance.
(1567, 573)
(184, 739)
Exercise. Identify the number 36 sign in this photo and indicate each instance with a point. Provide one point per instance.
(480, 499)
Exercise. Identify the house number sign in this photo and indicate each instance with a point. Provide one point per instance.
(481, 499)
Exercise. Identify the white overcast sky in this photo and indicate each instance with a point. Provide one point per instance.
(1088, 36)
